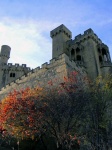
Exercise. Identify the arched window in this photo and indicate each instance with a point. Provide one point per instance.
(12, 74)
(105, 57)
(104, 51)
(73, 54)
(77, 50)
(99, 50)
(100, 59)
(78, 57)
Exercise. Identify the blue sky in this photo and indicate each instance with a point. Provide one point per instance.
(25, 25)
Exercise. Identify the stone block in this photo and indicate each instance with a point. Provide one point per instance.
(45, 65)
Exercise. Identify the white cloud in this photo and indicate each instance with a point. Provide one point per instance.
(27, 39)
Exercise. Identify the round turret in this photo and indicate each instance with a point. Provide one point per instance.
(4, 54)
(5, 51)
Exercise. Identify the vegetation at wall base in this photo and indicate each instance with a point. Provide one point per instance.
(70, 115)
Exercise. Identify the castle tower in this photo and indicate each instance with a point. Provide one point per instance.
(94, 54)
(86, 50)
(90, 53)
(97, 56)
(8, 71)
(4, 54)
(59, 36)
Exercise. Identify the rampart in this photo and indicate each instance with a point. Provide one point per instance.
(85, 53)
(16, 67)
(87, 34)
(55, 69)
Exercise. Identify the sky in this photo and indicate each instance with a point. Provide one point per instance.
(25, 25)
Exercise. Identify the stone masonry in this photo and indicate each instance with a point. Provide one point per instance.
(85, 53)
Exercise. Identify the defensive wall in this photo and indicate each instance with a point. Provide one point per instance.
(55, 69)
(86, 53)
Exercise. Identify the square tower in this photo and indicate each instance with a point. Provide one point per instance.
(59, 36)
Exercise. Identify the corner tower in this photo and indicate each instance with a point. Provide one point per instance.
(59, 36)
(94, 53)
(4, 54)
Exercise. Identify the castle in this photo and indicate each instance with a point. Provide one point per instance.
(85, 53)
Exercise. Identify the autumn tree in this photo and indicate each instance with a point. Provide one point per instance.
(66, 114)
(21, 114)
(65, 110)
(55, 111)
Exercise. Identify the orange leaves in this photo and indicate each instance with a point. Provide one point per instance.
(74, 82)
(23, 113)
(19, 111)
(72, 77)
(65, 79)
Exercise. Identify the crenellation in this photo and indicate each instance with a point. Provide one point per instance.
(29, 73)
(88, 31)
(9, 64)
(61, 29)
(28, 68)
(12, 83)
(23, 77)
(65, 57)
(104, 46)
(7, 86)
(24, 65)
(52, 60)
(88, 34)
(17, 65)
(99, 40)
(85, 54)
(2, 88)
(45, 65)
(17, 80)
(96, 37)
(79, 36)
(32, 71)
(36, 69)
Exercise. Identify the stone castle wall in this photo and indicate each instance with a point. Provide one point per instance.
(94, 53)
(86, 54)
(56, 69)
(10, 72)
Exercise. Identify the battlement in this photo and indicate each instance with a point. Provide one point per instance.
(85, 54)
(89, 33)
(17, 66)
(61, 29)
(52, 64)
(46, 72)
(104, 46)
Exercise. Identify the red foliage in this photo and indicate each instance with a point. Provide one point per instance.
(19, 113)
(22, 113)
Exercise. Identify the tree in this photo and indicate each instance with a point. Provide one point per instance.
(65, 114)
(21, 114)
(55, 111)
(65, 110)
(99, 114)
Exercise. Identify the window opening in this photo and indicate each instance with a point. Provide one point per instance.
(77, 50)
(104, 51)
(78, 57)
(73, 54)
(100, 58)
(12, 74)
(99, 50)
